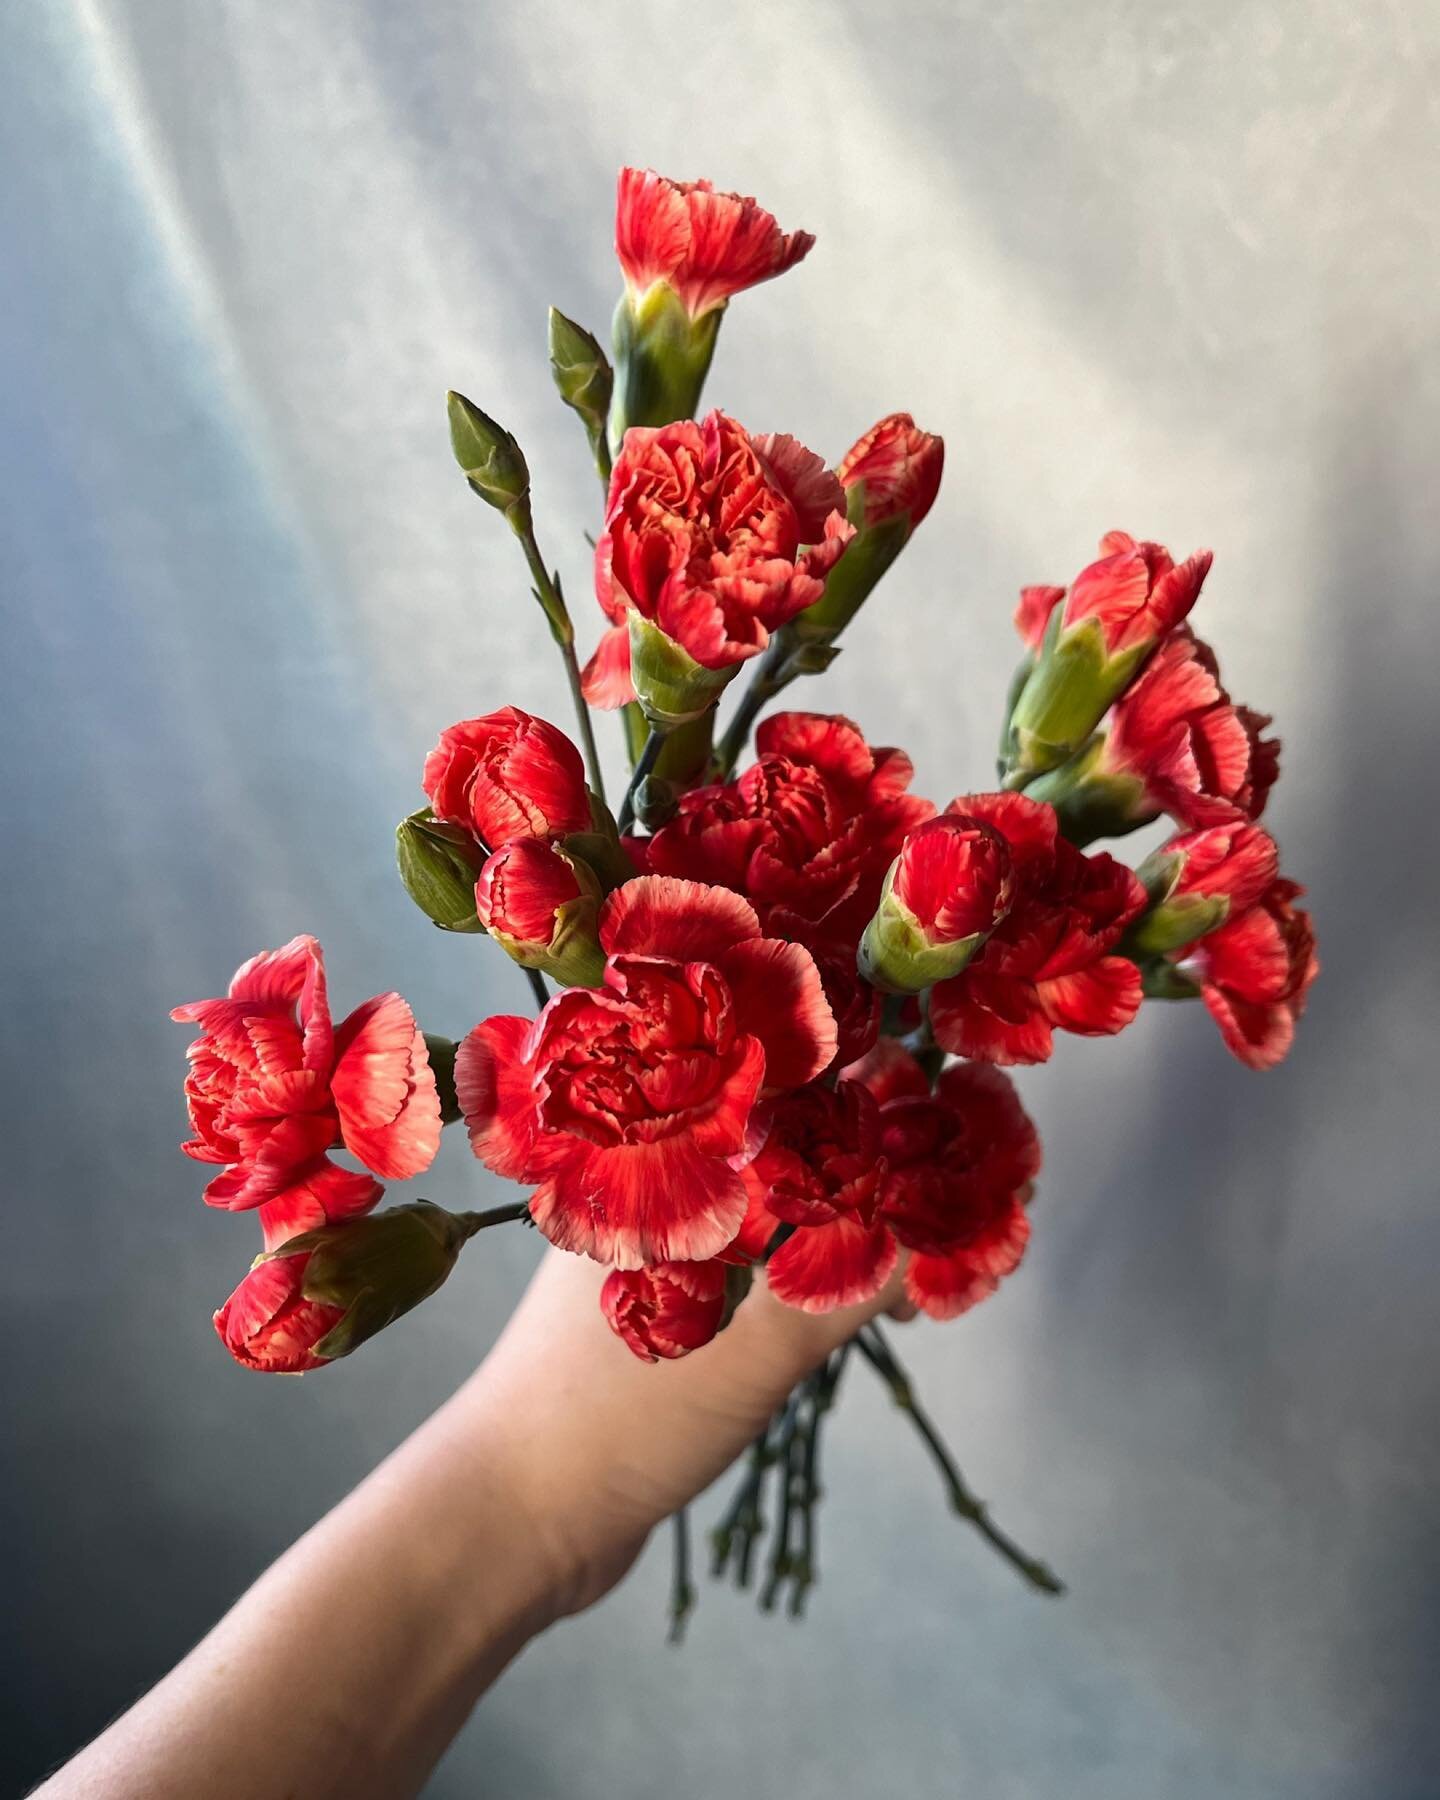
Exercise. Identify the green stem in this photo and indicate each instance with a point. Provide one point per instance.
(649, 756)
(538, 988)
(781, 1561)
(552, 604)
(765, 684)
(682, 1589)
(742, 1520)
(872, 1346)
(496, 1215)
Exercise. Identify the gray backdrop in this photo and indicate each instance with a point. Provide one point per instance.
(1158, 266)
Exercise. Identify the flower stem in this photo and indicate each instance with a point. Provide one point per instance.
(682, 1589)
(552, 604)
(742, 1522)
(767, 681)
(781, 1557)
(538, 988)
(872, 1346)
(649, 756)
(472, 1222)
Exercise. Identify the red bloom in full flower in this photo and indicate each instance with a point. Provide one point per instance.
(1254, 973)
(806, 833)
(667, 1310)
(900, 466)
(506, 776)
(1047, 966)
(629, 1103)
(707, 246)
(819, 1171)
(268, 1324)
(706, 537)
(273, 1087)
(960, 1164)
(1194, 753)
(1137, 591)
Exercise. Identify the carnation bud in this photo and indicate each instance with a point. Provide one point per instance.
(1093, 646)
(1197, 881)
(492, 461)
(668, 1309)
(582, 374)
(322, 1294)
(542, 907)
(942, 897)
(438, 864)
(890, 477)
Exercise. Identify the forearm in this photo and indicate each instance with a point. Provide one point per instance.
(352, 1662)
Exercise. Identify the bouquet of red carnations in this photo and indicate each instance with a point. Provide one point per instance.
(785, 988)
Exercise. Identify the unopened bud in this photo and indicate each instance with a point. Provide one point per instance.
(492, 461)
(582, 373)
(542, 907)
(438, 864)
(942, 897)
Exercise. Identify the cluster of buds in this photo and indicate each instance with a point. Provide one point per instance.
(786, 991)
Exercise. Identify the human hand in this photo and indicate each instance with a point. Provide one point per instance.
(601, 1446)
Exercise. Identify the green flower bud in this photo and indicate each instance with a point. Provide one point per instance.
(439, 865)
(582, 374)
(492, 461)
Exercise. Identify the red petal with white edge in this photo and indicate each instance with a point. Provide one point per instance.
(946, 1286)
(325, 1196)
(826, 741)
(384, 1089)
(266, 1325)
(824, 1266)
(661, 915)
(285, 1154)
(780, 999)
(291, 975)
(494, 1085)
(991, 1018)
(1094, 1002)
(1259, 1034)
(632, 1204)
(606, 681)
(812, 489)
(890, 1072)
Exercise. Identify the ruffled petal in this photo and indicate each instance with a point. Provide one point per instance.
(637, 1203)
(662, 915)
(495, 1088)
(780, 999)
(947, 1285)
(1094, 1002)
(821, 1267)
(384, 1089)
(325, 1196)
(606, 681)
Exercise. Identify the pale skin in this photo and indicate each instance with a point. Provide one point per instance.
(353, 1661)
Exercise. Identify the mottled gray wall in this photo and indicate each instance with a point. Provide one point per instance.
(1161, 266)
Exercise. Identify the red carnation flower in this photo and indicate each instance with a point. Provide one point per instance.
(806, 833)
(1254, 973)
(667, 1310)
(1236, 862)
(707, 246)
(1137, 591)
(629, 1104)
(705, 538)
(900, 466)
(268, 1324)
(506, 776)
(273, 1086)
(1191, 752)
(819, 1170)
(960, 1164)
(857, 1007)
(944, 893)
(1047, 966)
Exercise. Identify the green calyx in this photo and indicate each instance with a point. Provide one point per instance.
(438, 864)
(1069, 689)
(672, 688)
(848, 585)
(662, 357)
(898, 957)
(584, 379)
(1171, 921)
(1091, 800)
(376, 1268)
